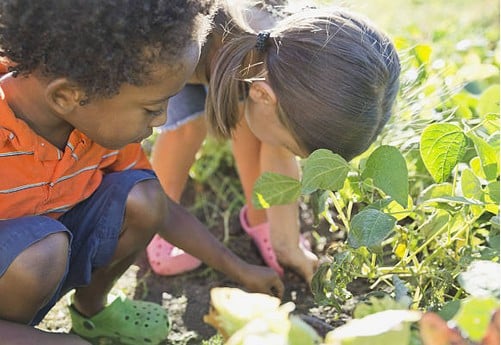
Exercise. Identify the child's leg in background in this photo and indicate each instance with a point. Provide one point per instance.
(284, 219)
(247, 152)
(180, 139)
(174, 153)
(172, 157)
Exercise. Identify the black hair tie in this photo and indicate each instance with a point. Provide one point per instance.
(262, 37)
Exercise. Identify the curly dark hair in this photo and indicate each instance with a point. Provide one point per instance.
(99, 44)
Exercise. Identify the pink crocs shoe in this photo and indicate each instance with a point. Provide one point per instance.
(261, 236)
(168, 260)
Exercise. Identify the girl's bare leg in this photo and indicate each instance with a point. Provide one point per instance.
(252, 158)
(174, 153)
(284, 219)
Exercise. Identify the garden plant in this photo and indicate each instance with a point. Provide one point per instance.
(418, 212)
(414, 220)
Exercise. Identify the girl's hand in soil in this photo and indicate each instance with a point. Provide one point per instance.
(261, 279)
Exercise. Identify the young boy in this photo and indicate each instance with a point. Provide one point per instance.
(88, 80)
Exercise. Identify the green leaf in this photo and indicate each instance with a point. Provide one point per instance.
(488, 102)
(434, 223)
(318, 203)
(324, 170)
(423, 53)
(454, 200)
(449, 310)
(493, 190)
(301, 333)
(369, 228)
(491, 123)
(470, 185)
(489, 156)
(275, 189)
(481, 279)
(474, 316)
(442, 146)
(388, 170)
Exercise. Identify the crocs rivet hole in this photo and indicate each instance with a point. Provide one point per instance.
(88, 325)
(146, 340)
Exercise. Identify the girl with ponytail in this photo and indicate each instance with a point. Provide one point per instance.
(280, 84)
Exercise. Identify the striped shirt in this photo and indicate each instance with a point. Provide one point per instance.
(37, 178)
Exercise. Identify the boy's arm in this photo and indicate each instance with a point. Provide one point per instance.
(186, 232)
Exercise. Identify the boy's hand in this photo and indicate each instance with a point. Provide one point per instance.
(262, 279)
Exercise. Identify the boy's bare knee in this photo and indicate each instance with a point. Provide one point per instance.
(146, 206)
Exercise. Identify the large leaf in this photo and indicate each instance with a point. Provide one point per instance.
(275, 189)
(324, 170)
(388, 170)
(369, 228)
(442, 146)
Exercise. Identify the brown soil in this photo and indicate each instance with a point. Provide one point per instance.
(186, 296)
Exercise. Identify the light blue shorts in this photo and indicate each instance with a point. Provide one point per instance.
(187, 105)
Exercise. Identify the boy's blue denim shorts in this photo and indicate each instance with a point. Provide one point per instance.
(93, 227)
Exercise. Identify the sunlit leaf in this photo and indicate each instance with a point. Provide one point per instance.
(472, 189)
(491, 123)
(301, 333)
(493, 190)
(489, 156)
(324, 170)
(477, 71)
(476, 167)
(388, 170)
(275, 189)
(455, 200)
(470, 185)
(397, 211)
(442, 146)
(423, 53)
(434, 223)
(488, 102)
(369, 228)
(474, 316)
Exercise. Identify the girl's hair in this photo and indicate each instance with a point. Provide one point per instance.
(334, 74)
(99, 44)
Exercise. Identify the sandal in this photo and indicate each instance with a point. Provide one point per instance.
(167, 260)
(261, 236)
(126, 321)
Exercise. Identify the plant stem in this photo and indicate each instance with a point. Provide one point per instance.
(339, 210)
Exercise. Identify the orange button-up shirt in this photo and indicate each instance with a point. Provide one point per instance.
(37, 178)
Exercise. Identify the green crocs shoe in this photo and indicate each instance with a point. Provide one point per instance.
(129, 322)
